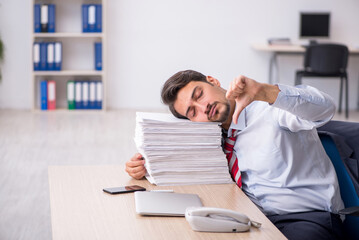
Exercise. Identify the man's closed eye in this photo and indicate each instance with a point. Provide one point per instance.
(199, 94)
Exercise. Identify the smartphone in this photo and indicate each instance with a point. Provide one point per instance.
(125, 189)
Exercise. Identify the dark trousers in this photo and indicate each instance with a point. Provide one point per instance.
(309, 225)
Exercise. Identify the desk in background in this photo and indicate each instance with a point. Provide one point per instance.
(81, 210)
(276, 50)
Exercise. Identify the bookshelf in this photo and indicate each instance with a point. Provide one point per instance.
(78, 53)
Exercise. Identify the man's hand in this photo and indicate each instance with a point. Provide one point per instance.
(245, 90)
(135, 167)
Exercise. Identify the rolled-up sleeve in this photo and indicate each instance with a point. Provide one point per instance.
(302, 107)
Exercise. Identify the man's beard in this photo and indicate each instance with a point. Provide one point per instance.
(223, 116)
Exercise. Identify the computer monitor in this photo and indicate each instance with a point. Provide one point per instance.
(314, 25)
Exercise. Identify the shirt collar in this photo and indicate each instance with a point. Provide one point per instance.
(241, 124)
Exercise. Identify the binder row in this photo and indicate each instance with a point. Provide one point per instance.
(84, 94)
(91, 18)
(47, 56)
(48, 95)
(44, 18)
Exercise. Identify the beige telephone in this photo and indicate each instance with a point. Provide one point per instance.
(206, 219)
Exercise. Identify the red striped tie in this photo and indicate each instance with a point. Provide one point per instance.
(232, 158)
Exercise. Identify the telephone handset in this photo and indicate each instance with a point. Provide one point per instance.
(207, 219)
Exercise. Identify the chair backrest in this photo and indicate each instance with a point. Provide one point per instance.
(326, 58)
(347, 189)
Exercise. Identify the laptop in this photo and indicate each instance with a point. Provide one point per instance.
(164, 203)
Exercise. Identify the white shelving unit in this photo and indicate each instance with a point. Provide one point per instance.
(77, 51)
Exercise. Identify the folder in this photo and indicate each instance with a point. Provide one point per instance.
(92, 95)
(44, 18)
(58, 56)
(37, 16)
(50, 56)
(99, 95)
(43, 56)
(85, 95)
(85, 18)
(43, 94)
(98, 56)
(71, 94)
(51, 95)
(51, 18)
(91, 18)
(78, 95)
(36, 56)
(98, 18)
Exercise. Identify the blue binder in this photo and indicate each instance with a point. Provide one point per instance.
(91, 17)
(43, 56)
(37, 16)
(51, 10)
(92, 95)
(98, 103)
(98, 18)
(43, 94)
(78, 95)
(85, 27)
(98, 56)
(58, 56)
(36, 56)
(85, 95)
(44, 18)
(50, 56)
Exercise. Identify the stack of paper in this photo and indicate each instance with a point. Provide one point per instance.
(178, 151)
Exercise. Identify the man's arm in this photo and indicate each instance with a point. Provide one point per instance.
(245, 90)
(303, 107)
(298, 108)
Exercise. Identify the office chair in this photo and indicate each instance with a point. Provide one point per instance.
(348, 191)
(326, 60)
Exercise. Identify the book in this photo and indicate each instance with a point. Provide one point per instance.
(51, 95)
(98, 56)
(71, 95)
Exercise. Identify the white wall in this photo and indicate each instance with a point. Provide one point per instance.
(148, 41)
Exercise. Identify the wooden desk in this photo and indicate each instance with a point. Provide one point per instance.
(81, 210)
(276, 50)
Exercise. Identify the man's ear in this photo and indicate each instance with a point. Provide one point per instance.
(213, 80)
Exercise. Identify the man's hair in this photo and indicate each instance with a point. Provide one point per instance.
(175, 83)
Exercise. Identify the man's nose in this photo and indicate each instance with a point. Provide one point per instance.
(202, 107)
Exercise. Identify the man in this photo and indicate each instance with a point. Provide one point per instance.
(285, 170)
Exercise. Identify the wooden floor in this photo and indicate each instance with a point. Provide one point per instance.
(30, 142)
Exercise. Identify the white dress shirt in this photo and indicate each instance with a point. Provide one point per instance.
(284, 166)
